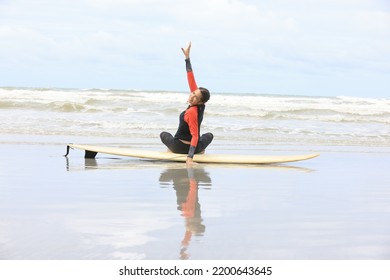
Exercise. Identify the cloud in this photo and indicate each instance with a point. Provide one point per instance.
(122, 42)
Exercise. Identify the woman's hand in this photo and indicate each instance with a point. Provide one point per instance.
(190, 163)
(186, 51)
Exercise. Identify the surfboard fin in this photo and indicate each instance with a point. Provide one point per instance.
(67, 150)
(90, 154)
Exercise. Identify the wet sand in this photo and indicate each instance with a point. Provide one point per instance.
(336, 206)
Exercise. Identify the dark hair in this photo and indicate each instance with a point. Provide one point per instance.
(205, 94)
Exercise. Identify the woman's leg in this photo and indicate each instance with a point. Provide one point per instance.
(174, 144)
(167, 139)
(204, 141)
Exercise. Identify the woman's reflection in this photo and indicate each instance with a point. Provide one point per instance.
(186, 183)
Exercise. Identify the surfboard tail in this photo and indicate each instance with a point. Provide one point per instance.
(88, 154)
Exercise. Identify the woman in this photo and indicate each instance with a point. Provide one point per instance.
(187, 139)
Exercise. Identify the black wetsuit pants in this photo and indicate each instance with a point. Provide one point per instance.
(176, 146)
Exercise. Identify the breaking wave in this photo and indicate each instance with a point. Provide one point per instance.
(124, 113)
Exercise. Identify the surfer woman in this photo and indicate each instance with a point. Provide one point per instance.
(187, 139)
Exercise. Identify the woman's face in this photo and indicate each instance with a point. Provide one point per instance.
(195, 97)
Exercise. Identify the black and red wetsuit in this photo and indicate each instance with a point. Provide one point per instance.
(189, 126)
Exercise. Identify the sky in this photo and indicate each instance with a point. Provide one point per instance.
(301, 47)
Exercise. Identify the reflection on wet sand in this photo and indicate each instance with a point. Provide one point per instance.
(120, 163)
(186, 184)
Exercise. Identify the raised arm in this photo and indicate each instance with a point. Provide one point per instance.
(190, 75)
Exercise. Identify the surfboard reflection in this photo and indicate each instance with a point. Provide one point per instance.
(186, 184)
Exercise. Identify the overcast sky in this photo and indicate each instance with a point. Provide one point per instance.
(302, 47)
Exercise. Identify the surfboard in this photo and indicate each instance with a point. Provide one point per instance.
(91, 151)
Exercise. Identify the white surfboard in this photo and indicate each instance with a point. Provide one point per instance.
(91, 151)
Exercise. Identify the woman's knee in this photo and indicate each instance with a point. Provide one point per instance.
(166, 137)
(208, 137)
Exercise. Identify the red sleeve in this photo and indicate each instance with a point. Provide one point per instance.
(191, 118)
(191, 81)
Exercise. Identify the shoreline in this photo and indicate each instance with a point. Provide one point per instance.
(218, 146)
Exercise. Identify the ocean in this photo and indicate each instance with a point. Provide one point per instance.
(260, 119)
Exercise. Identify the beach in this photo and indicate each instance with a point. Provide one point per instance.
(333, 207)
